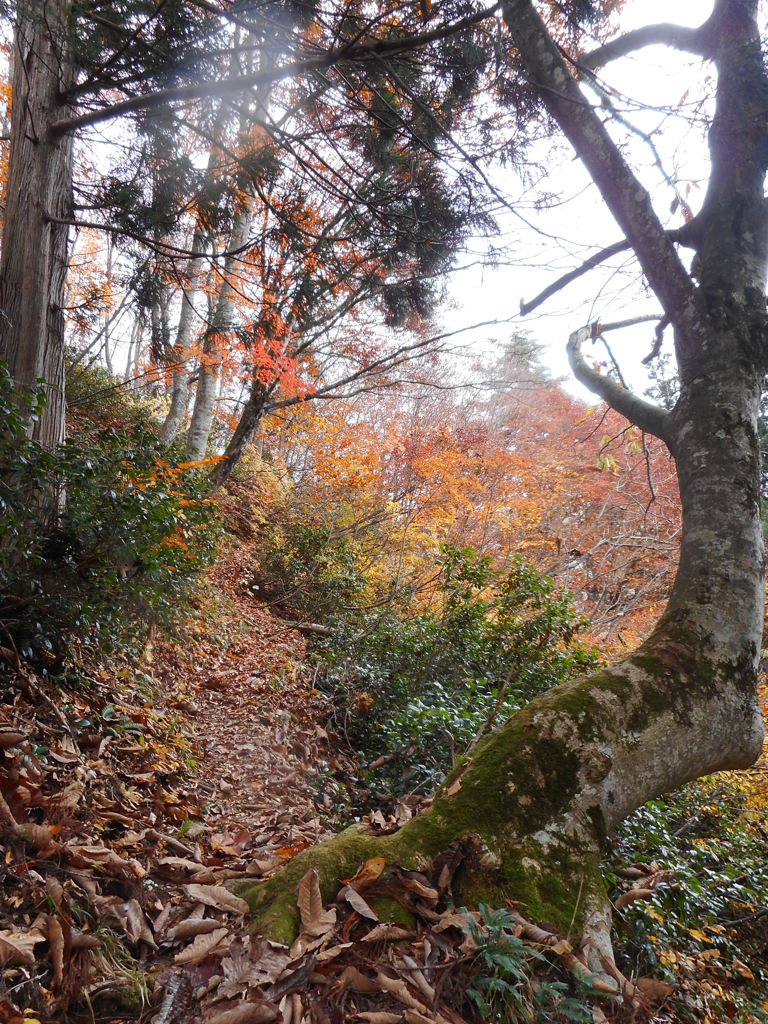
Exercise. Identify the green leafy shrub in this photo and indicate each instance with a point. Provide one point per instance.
(417, 688)
(313, 571)
(99, 539)
(706, 929)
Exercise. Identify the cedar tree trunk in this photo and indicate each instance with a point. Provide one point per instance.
(533, 803)
(34, 253)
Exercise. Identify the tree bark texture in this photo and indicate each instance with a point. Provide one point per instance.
(215, 338)
(34, 254)
(244, 431)
(532, 804)
(180, 351)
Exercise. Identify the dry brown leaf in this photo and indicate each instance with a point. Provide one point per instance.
(245, 1013)
(398, 988)
(418, 980)
(315, 921)
(129, 914)
(330, 954)
(306, 944)
(357, 903)
(16, 948)
(6, 817)
(297, 1007)
(202, 947)
(352, 978)
(451, 919)
(403, 813)
(655, 990)
(178, 868)
(387, 933)
(101, 856)
(417, 885)
(379, 1017)
(368, 872)
(378, 823)
(69, 797)
(629, 897)
(80, 940)
(217, 896)
(413, 1017)
(54, 889)
(241, 971)
(39, 836)
(260, 866)
(454, 787)
(134, 920)
(56, 942)
(192, 927)
(159, 923)
(9, 738)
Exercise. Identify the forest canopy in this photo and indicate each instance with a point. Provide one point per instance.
(228, 236)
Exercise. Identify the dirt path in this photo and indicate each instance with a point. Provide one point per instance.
(259, 725)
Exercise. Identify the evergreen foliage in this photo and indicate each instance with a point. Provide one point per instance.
(100, 539)
(415, 685)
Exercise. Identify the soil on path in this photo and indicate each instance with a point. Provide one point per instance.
(259, 723)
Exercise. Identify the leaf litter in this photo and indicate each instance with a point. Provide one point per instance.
(131, 801)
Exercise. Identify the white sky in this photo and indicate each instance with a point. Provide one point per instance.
(658, 77)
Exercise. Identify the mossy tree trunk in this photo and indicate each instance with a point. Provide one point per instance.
(536, 798)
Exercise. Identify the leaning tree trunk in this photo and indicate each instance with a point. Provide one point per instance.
(34, 255)
(534, 801)
(244, 431)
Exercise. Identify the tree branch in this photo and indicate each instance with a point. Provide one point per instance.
(361, 52)
(574, 275)
(158, 246)
(620, 189)
(650, 418)
(679, 37)
(684, 235)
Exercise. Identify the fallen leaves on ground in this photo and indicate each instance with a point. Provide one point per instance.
(132, 799)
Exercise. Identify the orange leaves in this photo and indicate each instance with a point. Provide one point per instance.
(528, 470)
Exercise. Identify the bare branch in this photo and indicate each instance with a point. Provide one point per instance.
(679, 37)
(632, 321)
(661, 326)
(650, 418)
(574, 275)
(683, 236)
(620, 189)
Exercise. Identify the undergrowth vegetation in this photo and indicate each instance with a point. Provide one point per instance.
(416, 681)
(102, 539)
(106, 540)
(703, 926)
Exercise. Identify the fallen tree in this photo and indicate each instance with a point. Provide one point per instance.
(532, 805)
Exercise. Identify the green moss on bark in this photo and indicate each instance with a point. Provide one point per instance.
(526, 803)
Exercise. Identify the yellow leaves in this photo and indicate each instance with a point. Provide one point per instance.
(695, 933)
(368, 873)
